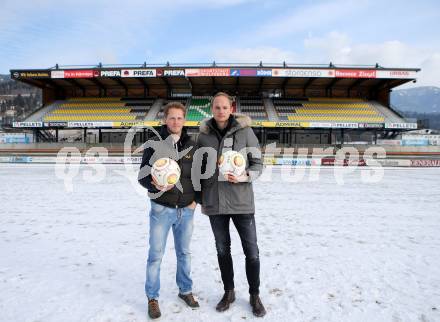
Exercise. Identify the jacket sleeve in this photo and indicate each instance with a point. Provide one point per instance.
(144, 179)
(197, 194)
(254, 155)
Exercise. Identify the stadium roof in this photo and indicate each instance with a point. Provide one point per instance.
(204, 78)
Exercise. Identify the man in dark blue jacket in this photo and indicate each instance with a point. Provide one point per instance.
(172, 206)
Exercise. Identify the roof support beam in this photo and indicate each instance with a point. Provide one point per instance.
(356, 83)
(307, 84)
(283, 86)
(260, 84)
(145, 85)
(167, 84)
(100, 85)
(214, 84)
(122, 84)
(329, 87)
(75, 83)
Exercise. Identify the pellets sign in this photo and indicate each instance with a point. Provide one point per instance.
(138, 73)
(27, 124)
(401, 125)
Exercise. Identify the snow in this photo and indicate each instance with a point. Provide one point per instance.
(356, 251)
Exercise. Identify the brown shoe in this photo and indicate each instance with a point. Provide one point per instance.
(225, 302)
(189, 300)
(153, 309)
(257, 307)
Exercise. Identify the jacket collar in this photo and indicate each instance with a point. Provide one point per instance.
(239, 121)
(163, 132)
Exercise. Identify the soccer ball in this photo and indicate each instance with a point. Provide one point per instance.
(231, 162)
(165, 171)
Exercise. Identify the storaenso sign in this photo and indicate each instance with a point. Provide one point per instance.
(303, 73)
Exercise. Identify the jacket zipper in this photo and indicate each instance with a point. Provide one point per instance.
(179, 162)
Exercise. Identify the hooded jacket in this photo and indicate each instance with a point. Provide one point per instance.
(219, 196)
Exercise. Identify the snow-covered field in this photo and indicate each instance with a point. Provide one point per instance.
(353, 252)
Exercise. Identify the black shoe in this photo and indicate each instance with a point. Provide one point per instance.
(257, 307)
(225, 302)
(153, 309)
(189, 300)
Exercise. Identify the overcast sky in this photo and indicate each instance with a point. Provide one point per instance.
(41, 33)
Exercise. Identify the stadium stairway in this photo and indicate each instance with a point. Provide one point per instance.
(154, 109)
(237, 105)
(38, 115)
(390, 116)
(272, 115)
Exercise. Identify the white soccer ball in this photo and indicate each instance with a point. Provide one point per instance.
(165, 171)
(232, 162)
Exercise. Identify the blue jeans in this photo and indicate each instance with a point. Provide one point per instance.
(161, 220)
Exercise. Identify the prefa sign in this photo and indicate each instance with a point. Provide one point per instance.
(170, 72)
(110, 73)
(138, 73)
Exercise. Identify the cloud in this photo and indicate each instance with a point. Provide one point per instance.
(430, 70)
(84, 32)
(309, 17)
(253, 55)
(340, 49)
(335, 47)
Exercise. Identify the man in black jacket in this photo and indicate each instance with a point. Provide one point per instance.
(172, 206)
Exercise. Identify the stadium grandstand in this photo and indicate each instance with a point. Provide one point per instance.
(289, 105)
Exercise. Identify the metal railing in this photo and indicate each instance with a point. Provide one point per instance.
(260, 64)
